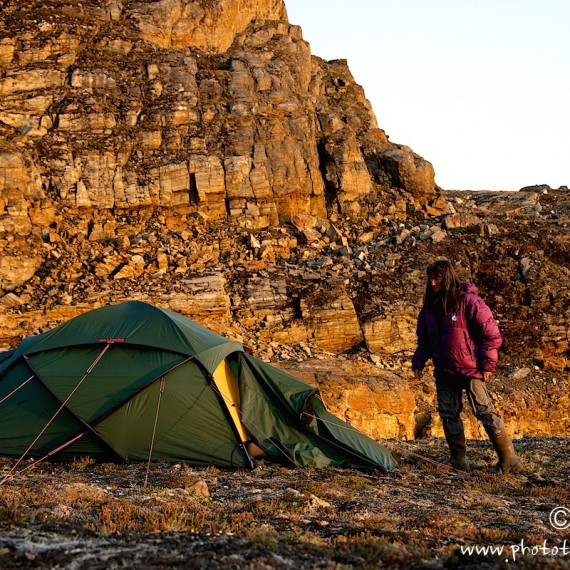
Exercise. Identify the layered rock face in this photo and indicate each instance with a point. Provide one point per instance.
(195, 155)
(210, 25)
(211, 107)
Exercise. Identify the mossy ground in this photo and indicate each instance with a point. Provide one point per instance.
(89, 515)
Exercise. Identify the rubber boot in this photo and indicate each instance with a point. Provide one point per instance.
(508, 462)
(457, 449)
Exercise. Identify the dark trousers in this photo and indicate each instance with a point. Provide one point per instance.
(450, 403)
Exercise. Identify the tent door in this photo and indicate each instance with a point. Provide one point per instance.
(227, 384)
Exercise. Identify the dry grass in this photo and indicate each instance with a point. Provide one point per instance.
(272, 517)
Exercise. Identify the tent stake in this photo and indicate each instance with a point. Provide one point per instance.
(162, 383)
(47, 456)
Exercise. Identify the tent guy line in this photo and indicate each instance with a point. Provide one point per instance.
(63, 405)
(161, 391)
(11, 475)
(16, 389)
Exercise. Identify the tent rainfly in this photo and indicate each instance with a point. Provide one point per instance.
(132, 382)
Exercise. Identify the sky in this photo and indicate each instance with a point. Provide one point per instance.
(480, 88)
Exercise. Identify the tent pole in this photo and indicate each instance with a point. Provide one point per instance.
(162, 383)
(89, 370)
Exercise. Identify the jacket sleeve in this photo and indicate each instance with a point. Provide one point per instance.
(484, 330)
(422, 353)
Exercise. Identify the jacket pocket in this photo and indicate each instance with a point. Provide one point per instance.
(468, 344)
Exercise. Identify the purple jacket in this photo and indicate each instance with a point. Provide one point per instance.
(466, 342)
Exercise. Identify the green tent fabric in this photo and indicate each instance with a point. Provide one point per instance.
(309, 433)
(133, 381)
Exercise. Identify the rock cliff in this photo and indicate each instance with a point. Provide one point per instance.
(214, 108)
(196, 155)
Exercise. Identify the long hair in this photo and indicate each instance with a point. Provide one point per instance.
(452, 286)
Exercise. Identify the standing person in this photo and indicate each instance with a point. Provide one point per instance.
(457, 331)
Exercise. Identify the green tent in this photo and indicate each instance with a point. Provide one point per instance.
(137, 382)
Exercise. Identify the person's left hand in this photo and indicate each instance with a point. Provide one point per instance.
(486, 375)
